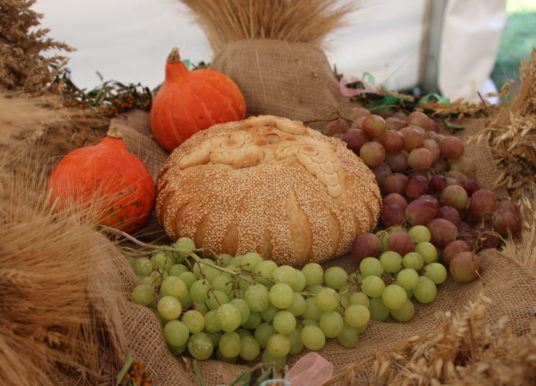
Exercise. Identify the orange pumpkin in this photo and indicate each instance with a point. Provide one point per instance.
(189, 101)
(109, 177)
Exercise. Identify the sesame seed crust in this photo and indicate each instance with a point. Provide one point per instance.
(270, 185)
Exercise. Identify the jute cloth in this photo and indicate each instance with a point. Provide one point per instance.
(510, 286)
(289, 79)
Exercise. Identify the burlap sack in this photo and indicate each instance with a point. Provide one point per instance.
(288, 79)
(134, 328)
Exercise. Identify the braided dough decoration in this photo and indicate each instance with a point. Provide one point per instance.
(270, 185)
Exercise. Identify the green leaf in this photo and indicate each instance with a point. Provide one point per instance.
(186, 63)
(370, 77)
(198, 377)
(245, 378)
(453, 128)
(437, 97)
(388, 100)
(124, 369)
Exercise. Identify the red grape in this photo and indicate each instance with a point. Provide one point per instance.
(464, 267)
(395, 123)
(420, 158)
(397, 161)
(420, 119)
(395, 199)
(433, 126)
(372, 153)
(373, 125)
(453, 248)
(337, 126)
(358, 122)
(357, 112)
(465, 165)
(485, 237)
(483, 202)
(392, 141)
(417, 186)
(455, 196)
(451, 147)
(506, 220)
(432, 145)
(355, 139)
(381, 171)
(458, 176)
(451, 214)
(413, 137)
(421, 211)
(395, 183)
(431, 198)
(443, 231)
(401, 242)
(365, 245)
(470, 186)
(438, 183)
(440, 166)
(392, 215)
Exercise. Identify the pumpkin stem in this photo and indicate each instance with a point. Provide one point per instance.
(114, 132)
(174, 56)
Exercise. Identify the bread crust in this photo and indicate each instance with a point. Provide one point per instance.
(270, 185)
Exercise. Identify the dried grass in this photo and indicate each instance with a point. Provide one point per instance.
(308, 21)
(23, 65)
(47, 334)
(466, 349)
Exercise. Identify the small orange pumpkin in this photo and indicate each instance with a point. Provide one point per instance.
(109, 176)
(189, 101)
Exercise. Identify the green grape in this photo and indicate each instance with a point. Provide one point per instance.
(348, 336)
(186, 301)
(313, 338)
(405, 314)
(235, 261)
(309, 322)
(216, 298)
(229, 344)
(185, 244)
(268, 314)
(243, 283)
(250, 260)
(161, 260)
(177, 269)
(281, 295)
(312, 312)
(194, 320)
(370, 266)
(377, 309)
(223, 282)
(269, 361)
(143, 267)
(425, 291)
(253, 321)
(200, 346)
(265, 269)
(263, 332)
(315, 289)
(188, 278)
(243, 306)
(243, 333)
(413, 260)
(335, 277)
(435, 272)
(212, 322)
(327, 299)
(296, 345)
(419, 234)
(142, 294)
(284, 322)
(373, 286)
(199, 290)
(339, 309)
(357, 315)
(427, 250)
(344, 301)
(229, 316)
(383, 236)
(359, 298)
(285, 274)
(257, 297)
(176, 351)
(391, 261)
(169, 307)
(394, 297)
(157, 277)
(407, 278)
(250, 348)
(173, 286)
(176, 333)
(145, 280)
(214, 336)
(314, 274)
(224, 259)
(298, 305)
(278, 345)
(131, 262)
(331, 323)
(299, 284)
(362, 328)
(223, 358)
(203, 270)
(201, 307)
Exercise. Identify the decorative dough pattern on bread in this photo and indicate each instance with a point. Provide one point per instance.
(267, 184)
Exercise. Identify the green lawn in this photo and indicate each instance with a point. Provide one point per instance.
(518, 39)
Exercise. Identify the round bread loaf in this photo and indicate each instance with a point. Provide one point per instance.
(270, 185)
